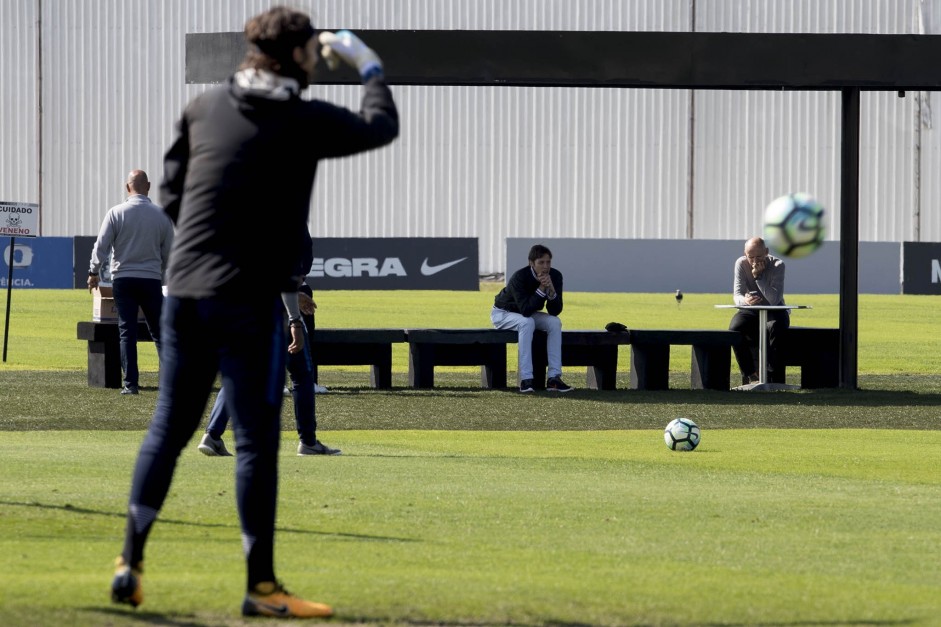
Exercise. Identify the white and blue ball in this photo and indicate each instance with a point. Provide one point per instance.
(794, 225)
(682, 434)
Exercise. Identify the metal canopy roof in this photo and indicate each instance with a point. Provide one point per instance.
(668, 60)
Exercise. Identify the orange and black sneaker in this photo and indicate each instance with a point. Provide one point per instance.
(126, 585)
(269, 598)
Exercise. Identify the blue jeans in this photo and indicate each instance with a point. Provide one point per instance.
(243, 338)
(129, 294)
(525, 327)
(301, 370)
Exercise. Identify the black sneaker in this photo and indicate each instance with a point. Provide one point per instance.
(129, 389)
(556, 384)
(526, 385)
(319, 448)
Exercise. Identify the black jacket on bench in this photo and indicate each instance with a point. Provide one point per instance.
(520, 295)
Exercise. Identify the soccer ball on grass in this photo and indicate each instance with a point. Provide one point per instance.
(794, 225)
(682, 434)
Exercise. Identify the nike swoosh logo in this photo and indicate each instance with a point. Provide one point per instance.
(273, 610)
(427, 270)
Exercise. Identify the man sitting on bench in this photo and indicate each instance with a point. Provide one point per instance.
(519, 305)
(759, 280)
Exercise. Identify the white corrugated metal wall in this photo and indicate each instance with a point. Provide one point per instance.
(485, 162)
(19, 122)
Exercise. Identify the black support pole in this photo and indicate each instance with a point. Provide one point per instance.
(849, 240)
(6, 325)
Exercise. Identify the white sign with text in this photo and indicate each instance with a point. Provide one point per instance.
(19, 219)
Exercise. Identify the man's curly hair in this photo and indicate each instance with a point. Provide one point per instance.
(272, 37)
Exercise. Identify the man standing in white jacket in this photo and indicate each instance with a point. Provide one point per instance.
(138, 235)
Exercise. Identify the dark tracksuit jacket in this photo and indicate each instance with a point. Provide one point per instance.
(523, 294)
(239, 176)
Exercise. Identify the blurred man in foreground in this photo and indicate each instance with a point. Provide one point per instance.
(240, 172)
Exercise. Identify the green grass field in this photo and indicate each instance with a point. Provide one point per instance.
(461, 506)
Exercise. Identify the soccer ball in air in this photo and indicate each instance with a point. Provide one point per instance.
(682, 434)
(794, 225)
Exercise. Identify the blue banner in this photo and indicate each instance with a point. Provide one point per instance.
(38, 263)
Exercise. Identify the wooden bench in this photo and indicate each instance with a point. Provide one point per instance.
(817, 352)
(104, 351)
(711, 357)
(347, 347)
(428, 348)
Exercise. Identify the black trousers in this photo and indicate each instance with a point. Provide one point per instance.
(746, 353)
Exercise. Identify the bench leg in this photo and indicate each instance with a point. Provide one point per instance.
(380, 375)
(710, 368)
(540, 359)
(650, 366)
(602, 362)
(493, 373)
(421, 365)
(602, 376)
(104, 365)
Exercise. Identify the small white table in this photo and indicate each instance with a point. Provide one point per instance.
(763, 384)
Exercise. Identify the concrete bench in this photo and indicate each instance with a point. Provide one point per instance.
(598, 350)
(711, 357)
(428, 348)
(104, 351)
(333, 347)
(815, 350)
(359, 347)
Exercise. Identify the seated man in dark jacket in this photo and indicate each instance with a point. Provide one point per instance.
(519, 305)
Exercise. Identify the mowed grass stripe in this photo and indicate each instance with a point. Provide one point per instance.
(450, 527)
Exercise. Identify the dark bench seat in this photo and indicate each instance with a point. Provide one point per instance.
(711, 357)
(598, 350)
(428, 348)
(333, 347)
(349, 347)
(814, 350)
(104, 351)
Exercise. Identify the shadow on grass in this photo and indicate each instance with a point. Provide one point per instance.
(826, 397)
(154, 618)
(146, 618)
(816, 623)
(170, 521)
(458, 403)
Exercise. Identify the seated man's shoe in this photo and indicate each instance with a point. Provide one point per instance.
(319, 448)
(526, 385)
(320, 389)
(126, 585)
(130, 389)
(556, 384)
(269, 598)
(751, 378)
(212, 447)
